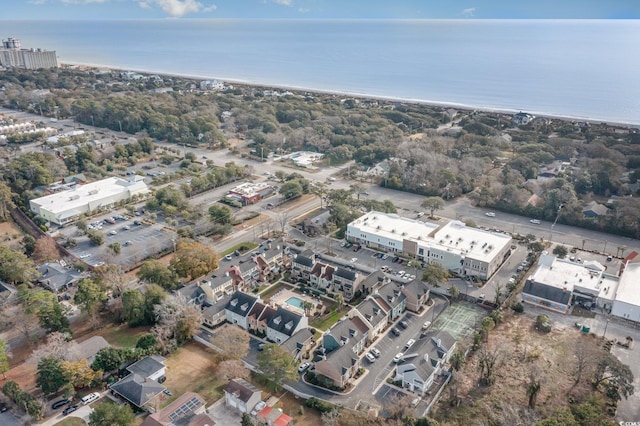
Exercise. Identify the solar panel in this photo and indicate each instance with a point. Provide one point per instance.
(185, 408)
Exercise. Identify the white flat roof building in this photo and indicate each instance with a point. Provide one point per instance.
(65, 206)
(462, 249)
(627, 302)
(586, 279)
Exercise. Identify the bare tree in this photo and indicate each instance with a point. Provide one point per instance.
(56, 346)
(177, 320)
(331, 418)
(45, 250)
(27, 324)
(233, 341)
(584, 356)
(232, 369)
(283, 221)
(399, 406)
(487, 360)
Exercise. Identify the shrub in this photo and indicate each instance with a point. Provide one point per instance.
(321, 406)
(518, 308)
(543, 323)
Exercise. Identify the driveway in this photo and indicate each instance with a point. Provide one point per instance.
(224, 415)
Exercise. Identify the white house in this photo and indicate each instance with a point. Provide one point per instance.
(627, 302)
(241, 395)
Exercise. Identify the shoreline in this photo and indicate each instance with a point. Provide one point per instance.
(437, 104)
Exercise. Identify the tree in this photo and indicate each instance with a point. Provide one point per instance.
(79, 374)
(109, 359)
(283, 221)
(320, 189)
(156, 272)
(276, 365)
(116, 248)
(50, 377)
(616, 375)
(4, 358)
(543, 323)
(233, 342)
(220, 214)
(432, 204)
(232, 368)
(457, 360)
(533, 388)
(486, 326)
(193, 259)
(291, 190)
(16, 267)
(177, 321)
(91, 297)
(434, 274)
(96, 237)
(146, 342)
(111, 414)
(57, 346)
(357, 189)
(44, 304)
(133, 307)
(331, 418)
(560, 251)
(246, 420)
(454, 292)
(45, 250)
(487, 360)
(307, 306)
(6, 201)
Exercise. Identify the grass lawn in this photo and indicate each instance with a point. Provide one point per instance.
(192, 368)
(122, 335)
(326, 321)
(72, 421)
(241, 247)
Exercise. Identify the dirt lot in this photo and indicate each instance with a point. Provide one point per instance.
(10, 234)
(291, 406)
(550, 357)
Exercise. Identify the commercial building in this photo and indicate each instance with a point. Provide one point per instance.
(65, 206)
(627, 302)
(13, 55)
(459, 248)
(250, 193)
(557, 284)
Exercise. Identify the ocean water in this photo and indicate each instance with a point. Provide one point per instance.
(586, 69)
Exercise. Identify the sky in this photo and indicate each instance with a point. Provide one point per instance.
(319, 9)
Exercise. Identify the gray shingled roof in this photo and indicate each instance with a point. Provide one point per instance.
(240, 300)
(346, 274)
(241, 388)
(147, 366)
(303, 260)
(284, 321)
(372, 312)
(137, 390)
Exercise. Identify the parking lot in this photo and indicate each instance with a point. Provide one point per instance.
(138, 239)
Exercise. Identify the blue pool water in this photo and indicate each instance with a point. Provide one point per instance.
(294, 301)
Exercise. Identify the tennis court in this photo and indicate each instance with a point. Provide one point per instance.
(460, 319)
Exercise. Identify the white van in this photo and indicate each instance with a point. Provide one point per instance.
(90, 398)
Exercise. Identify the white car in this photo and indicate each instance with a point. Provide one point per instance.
(259, 406)
(375, 352)
(409, 344)
(400, 273)
(370, 357)
(535, 221)
(354, 259)
(398, 357)
(406, 277)
(113, 233)
(303, 367)
(426, 325)
(490, 214)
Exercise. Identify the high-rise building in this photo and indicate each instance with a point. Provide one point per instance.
(13, 55)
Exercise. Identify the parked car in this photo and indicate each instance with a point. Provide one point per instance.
(370, 357)
(375, 352)
(59, 404)
(228, 257)
(426, 325)
(113, 233)
(490, 214)
(404, 324)
(261, 346)
(535, 221)
(259, 406)
(303, 367)
(408, 345)
(70, 409)
(395, 331)
(398, 357)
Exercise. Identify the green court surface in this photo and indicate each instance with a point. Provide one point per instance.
(460, 319)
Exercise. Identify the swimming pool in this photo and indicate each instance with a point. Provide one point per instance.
(294, 301)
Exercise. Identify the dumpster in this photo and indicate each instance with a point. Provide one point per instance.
(585, 329)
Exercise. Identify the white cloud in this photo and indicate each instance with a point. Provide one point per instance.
(37, 1)
(177, 8)
(469, 12)
(304, 10)
(82, 1)
(283, 2)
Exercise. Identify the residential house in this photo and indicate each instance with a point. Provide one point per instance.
(150, 367)
(187, 410)
(238, 308)
(270, 262)
(522, 118)
(221, 285)
(254, 316)
(373, 315)
(139, 391)
(56, 278)
(196, 293)
(346, 282)
(343, 344)
(265, 317)
(245, 274)
(285, 324)
(302, 265)
(215, 314)
(417, 294)
(298, 344)
(594, 209)
(273, 417)
(373, 281)
(419, 373)
(241, 395)
(321, 276)
(86, 349)
(392, 299)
